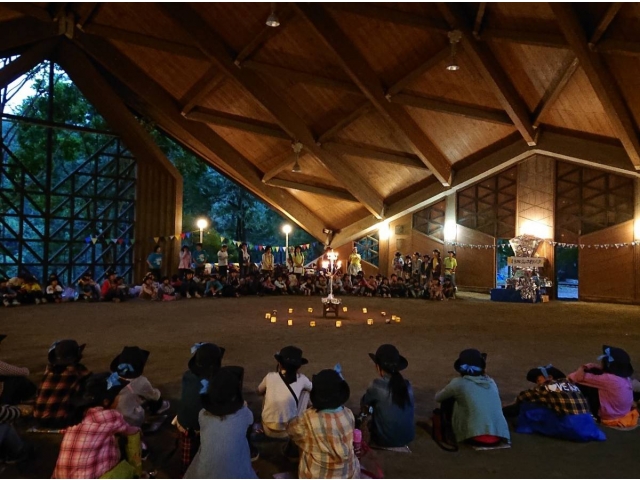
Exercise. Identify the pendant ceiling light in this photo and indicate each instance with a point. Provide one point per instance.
(297, 148)
(454, 38)
(273, 20)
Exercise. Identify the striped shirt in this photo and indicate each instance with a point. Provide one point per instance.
(325, 439)
(8, 413)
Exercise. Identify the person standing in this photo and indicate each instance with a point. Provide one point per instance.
(450, 266)
(154, 261)
(200, 258)
(415, 265)
(298, 262)
(223, 261)
(398, 264)
(355, 265)
(185, 261)
(267, 261)
(245, 260)
(436, 265)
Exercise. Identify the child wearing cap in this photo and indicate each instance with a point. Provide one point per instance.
(324, 433)
(88, 289)
(608, 387)
(62, 380)
(472, 401)
(90, 449)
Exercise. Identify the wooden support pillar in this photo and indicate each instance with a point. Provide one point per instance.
(384, 255)
(636, 238)
(450, 221)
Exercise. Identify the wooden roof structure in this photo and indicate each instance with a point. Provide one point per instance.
(385, 127)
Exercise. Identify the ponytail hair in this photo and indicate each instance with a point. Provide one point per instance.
(399, 390)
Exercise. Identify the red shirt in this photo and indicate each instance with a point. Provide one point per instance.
(90, 449)
(106, 286)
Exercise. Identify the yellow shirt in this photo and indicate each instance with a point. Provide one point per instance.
(450, 264)
(267, 261)
(354, 259)
(298, 260)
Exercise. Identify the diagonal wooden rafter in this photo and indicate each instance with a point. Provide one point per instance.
(88, 15)
(210, 80)
(282, 161)
(493, 74)
(477, 25)
(304, 187)
(218, 53)
(29, 59)
(538, 39)
(285, 14)
(603, 24)
(418, 72)
(224, 119)
(16, 34)
(29, 9)
(151, 100)
(364, 76)
(374, 153)
(601, 80)
(554, 90)
(345, 122)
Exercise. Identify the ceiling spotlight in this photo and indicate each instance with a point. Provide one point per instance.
(272, 20)
(454, 38)
(297, 148)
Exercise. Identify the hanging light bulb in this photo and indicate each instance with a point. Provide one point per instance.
(273, 20)
(454, 38)
(297, 148)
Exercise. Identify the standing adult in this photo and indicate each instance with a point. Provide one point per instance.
(298, 262)
(450, 266)
(245, 260)
(355, 265)
(398, 264)
(154, 262)
(185, 261)
(200, 258)
(223, 261)
(436, 265)
(267, 261)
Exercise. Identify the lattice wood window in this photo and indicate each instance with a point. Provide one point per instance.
(588, 200)
(490, 206)
(430, 221)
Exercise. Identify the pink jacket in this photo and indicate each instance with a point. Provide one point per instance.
(616, 393)
(185, 260)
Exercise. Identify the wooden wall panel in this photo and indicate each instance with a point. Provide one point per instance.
(343, 254)
(608, 274)
(476, 267)
(536, 196)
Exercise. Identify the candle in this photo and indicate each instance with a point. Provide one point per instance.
(384, 314)
(267, 316)
(387, 320)
(291, 310)
(289, 322)
(338, 323)
(369, 321)
(275, 312)
(312, 323)
(273, 319)
(364, 310)
(393, 317)
(310, 310)
(397, 319)
(344, 309)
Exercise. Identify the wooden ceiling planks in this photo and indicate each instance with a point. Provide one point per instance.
(536, 16)
(7, 14)
(371, 129)
(335, 213)
(628, 80)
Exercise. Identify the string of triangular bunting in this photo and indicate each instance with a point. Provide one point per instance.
(596, 246)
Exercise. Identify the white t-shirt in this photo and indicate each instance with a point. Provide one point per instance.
(223, 258)
(279, 404)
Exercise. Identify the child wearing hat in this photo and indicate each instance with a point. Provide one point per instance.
(90, 449)
(554, 407)
(324, 433)
(608, 387)
(110, 291)
(472, 401)
(62, 380)
(224, 420)
(88, 289)
(390, 397)
(205, 362)
(283, 392)
(148, 290)
(138, 395)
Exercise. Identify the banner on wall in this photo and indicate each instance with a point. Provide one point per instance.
(526, 262)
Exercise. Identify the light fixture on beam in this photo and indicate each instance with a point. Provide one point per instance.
(297, 148)
(273, 20)
(454, 38)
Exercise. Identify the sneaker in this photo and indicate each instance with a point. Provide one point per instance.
(15, 303)
(37, 301)
(188, 295)
(197, 295)
(165, 406)
(6, 303)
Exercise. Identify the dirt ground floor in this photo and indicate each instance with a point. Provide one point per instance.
(516, 337)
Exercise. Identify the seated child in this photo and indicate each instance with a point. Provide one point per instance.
(149, 291)
(189, 287)
(213, 287)
(371, 286)
(224, 421)
(338, 287)
(324, 433)
(292, 284)
(228, 289)
(16, 284)
(322, 287)
(401, 288)
(554, 407)
(394, 286)
(391, 398)
(435, 290)
(204, 364)
(407, 268)
(89, 449)
(283, 391)
(281, 286)
(166, 292)
(448, 290)
(9, 296)
(138, 395)
(384, 290)
(12, 448)
(123, 288)
(472, 401)
(15, 386)
(608, 388)
(267, 286)
(33, 291)
(308, 288)
(414, 289)
(88, 289)
(110, 291)
(62, 380)
(347, 284)
(176, 281)
(53, 293)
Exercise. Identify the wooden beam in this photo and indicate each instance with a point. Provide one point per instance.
(152, 101)
(454, 108)
(619, 47)
(602, 81)
(302, 77)
(91, 10)
(218, 53)
(237, 122)
(28, 60)
(303, 187)
(142, 40)
(419, 71)
(374, 153)
(493, 74)
(570, 65)
(603, 24)
(22, 32)
(285, 13)
(477, 25)
(372, 10)
(210, 80)
(28, 9)
(282, 161)
(364, 76)
(345, 122)
(539, 39)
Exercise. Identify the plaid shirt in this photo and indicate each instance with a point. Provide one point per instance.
(560, 395)
(90, 449)
(54, 394)
(325, 439)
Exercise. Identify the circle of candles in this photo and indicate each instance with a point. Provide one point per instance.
(291, 310)
(369, 321)
(344, 309)
(312, 323)
(310, 310)
(273, 319)
(364, 310)
(267, 316)
(338, 323)
(289, 322)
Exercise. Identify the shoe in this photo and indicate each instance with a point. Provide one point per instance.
(6, 303)
(15, 303)
(44, 300)
(37, 301)
(188, 295)
(165, 406)
(255, 453)
(197, 295)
